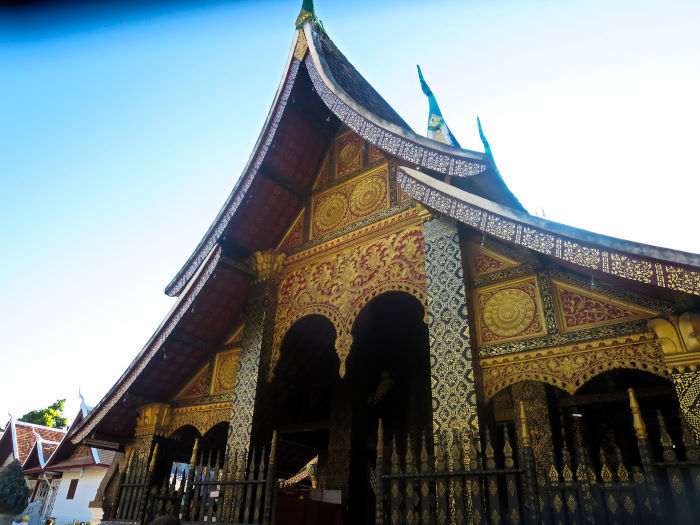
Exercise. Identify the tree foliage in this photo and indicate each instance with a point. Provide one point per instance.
(51, 416)
(13, 489)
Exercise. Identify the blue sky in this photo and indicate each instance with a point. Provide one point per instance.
(123, 130)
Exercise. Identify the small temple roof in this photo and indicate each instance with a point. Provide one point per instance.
(20, 437)
(62, 455)
(39, 455)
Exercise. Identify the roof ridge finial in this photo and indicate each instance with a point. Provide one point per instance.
(437, 127)
(487, 147)
(307, 11)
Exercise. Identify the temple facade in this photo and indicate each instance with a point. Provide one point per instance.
(374, 316)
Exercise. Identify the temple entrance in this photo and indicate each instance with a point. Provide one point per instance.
(327, 426)
(388, 372)
(297, 403)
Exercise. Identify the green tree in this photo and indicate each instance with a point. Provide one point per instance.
(52, 416)
(13, 489)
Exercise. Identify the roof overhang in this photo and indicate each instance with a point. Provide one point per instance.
(149, 351)
(354, 102)
(643, 263)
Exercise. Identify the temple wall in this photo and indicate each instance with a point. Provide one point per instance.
(76, 509)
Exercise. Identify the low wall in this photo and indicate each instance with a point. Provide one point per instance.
(6, 519)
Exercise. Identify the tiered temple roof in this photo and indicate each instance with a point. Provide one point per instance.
(321, 91)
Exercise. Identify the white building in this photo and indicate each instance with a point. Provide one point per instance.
(68, 481)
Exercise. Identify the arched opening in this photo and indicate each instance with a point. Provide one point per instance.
(388, 377)
(598, 413)
(596, 418)
(297, 402)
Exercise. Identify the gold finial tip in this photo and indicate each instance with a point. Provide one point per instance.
(524, 430)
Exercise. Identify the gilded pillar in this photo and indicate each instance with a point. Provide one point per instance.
(679, 338)
(153, 420)
(533, 397)
(256, 342)
(451, 368)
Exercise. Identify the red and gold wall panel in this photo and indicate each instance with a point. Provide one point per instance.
(578, 308)
(295, 234)
(196, 387)
(348, 152)
(225, 371)
(509, 311)
(349, 202)
(484, 261)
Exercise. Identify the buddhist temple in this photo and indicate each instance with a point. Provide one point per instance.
(375, 330)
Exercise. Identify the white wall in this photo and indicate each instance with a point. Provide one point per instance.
(76, 509)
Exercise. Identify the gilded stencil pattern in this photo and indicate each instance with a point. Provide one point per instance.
(348, 153)
(451, 370)
(197, 386)
(568, 367)
(614, 293)
(533, 395)
(485, 261)
(629, 266)
(625, 266)
(295, 235)
(339, 284)
(261, 307)
(581, 309)
(688, 390)
(225, 370)
(350, 202)
(509, 311)
(201, 417)
(361, 225)
(563, 338)
(323, 174)
(375, 155)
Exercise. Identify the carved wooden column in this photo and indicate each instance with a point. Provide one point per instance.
(679, 337)
(257, 342)
(451, 369)
(533, 397)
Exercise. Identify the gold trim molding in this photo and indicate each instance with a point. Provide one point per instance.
(568, 367)
(201, 417)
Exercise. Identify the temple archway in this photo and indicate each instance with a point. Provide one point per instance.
(596, 416)
(297, 401)
(388, 374)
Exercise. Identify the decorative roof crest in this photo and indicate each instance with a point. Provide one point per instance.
(437, 127)
(307, 11)
(487, 147)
